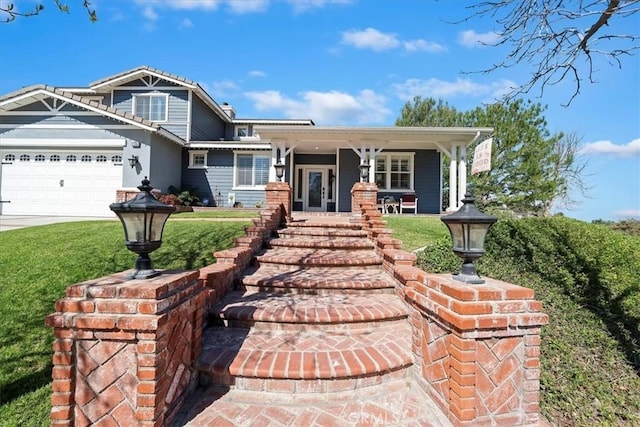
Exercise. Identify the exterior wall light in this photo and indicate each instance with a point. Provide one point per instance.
(143, 219)
(364, 171)
(279, 167)
(133, 161)
(468, 227)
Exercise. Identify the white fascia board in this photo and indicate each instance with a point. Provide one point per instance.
(171, 136)
(274, 122)
(144, 72)
(66, 142)
(79, 104)
(230, 146)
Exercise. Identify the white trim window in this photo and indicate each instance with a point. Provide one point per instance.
(151, 106)
(395, 171)
(198, 159)
(251, 170)
(242, 131)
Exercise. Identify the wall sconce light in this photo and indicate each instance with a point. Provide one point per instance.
(468, 227)
(133, 161)
(364, 171)
(279, 167)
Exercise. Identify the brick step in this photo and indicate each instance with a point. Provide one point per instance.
(317, 280)
(322, 242)
(321, 232)
(319, 257)
(289, 311)
(326, 223)
(254, 359)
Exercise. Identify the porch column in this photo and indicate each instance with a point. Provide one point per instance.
(462, 175)
(453, 186)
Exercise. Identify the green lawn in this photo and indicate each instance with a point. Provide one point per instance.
(38, 263)
(222, 213)
(416, 231)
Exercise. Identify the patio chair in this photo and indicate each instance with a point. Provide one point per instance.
(408, 201)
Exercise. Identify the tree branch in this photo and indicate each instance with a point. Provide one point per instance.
(601, 22)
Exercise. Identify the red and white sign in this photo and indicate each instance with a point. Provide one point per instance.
(482, 157)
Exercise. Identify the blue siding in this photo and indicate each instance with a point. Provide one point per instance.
(205, 124)
(165, 163)
(177, 107)
(217, 178)
(349, 174)
(426, 180)
(315, 159)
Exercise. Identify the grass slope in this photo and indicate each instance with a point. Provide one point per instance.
(38, 263)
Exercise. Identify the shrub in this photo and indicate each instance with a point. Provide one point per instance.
(170, 199)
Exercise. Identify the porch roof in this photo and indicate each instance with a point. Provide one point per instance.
(330, 137)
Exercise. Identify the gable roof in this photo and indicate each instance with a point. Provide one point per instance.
(119, 79)
(29, 94)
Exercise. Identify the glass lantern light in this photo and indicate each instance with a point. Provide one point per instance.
(279, 167)
(143, 219)
(364, 171)
(468, 227)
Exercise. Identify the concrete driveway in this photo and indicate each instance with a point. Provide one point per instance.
(12, 222)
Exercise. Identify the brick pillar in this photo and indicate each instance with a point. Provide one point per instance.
(479, 347)
(363, 194)
(279, 193)
(125, 351)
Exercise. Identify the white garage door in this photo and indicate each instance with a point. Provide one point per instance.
(78, 183)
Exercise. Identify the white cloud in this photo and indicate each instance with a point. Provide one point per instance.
(185, 23)
(627, 213)
(437, 88)
(327, 108)
(257, 73)
(149, 13)
(300, 6)
(247, 6)
(608, 147)
(421, 45)
(378, 41)
(470, 38)
(370, 39)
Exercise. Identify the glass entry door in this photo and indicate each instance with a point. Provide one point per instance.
(316, 199)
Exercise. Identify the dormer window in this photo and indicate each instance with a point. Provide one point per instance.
(151, 107)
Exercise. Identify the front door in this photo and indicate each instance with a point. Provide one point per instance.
(316, 193)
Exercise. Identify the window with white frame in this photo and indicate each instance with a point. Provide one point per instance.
(197, 159)
(251, 169)
(242, 131)
(151, 106)
(394, 171)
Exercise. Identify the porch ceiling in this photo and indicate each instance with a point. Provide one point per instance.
(321, 139)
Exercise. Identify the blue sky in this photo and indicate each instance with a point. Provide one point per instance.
(338, 62)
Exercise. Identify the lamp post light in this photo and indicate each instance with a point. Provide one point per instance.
(468, 227)
(143, 219)
(279, 167)
(364, 171)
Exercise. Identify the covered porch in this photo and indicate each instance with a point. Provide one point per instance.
(323, 163)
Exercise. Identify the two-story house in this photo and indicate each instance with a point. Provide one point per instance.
(67, 151)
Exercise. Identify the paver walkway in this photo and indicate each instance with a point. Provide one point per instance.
(315, 336)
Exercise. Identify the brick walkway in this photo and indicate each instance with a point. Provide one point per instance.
(315, 336)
